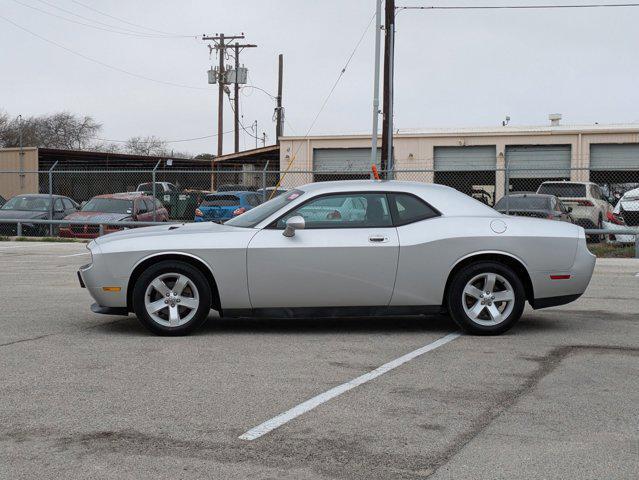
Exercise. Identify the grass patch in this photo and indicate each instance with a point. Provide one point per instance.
(4, 238)
(50, 239)
(609, 250)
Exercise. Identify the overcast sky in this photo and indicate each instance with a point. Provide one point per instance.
(453, 68)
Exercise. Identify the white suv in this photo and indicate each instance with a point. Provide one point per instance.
(589, 206)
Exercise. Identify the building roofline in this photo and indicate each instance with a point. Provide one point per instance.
(246, 153)
(484, 131)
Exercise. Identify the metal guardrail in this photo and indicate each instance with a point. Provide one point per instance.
(20, 221)
(29, 221)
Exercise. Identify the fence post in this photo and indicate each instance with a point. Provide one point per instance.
(637, 246)
(51, 197)
(154, 189)
(18, 229)
(507, 184)
(264, 182)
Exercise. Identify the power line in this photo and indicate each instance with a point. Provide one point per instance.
(99, 62)
(330, 93)
(120, 19)
(517, 7)
(110, 30)
(164, 141)
(135, 32)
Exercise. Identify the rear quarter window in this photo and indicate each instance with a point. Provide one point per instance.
(565, 190)
(407, 209)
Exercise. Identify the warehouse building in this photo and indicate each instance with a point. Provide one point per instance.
(474, 159)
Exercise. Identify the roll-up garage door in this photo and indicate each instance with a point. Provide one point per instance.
(343, 159)
(538, 161)
(614, 156)
(463, 159)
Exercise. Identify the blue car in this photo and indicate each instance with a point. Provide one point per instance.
(220, 207)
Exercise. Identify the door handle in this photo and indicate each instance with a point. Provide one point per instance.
(377, 239)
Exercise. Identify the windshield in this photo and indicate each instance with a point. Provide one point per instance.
(254, 216)
(220, 201)
(38, 204)
(523, 203)
(565, 190)
(108, 205)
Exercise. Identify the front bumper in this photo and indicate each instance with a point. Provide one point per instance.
(96, 277)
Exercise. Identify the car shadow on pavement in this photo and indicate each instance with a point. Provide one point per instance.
(216, 325)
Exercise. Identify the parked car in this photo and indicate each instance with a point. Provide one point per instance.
(418, 248)
(220, 207)
(35, 206)
(589, 207)
(117, 207)
(625, 215)
(534, 205)
(160, 187)
(232, 187)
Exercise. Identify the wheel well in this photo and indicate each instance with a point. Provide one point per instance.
(511, 262)
(182, 258)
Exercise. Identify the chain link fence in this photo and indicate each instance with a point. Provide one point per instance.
(611, 202)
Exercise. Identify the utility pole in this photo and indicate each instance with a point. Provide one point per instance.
(387, 123)
(236, 100)
(378, 33)
(221, 43)
(279, 114)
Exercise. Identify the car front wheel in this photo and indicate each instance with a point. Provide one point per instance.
(172, 298)
(486, 298)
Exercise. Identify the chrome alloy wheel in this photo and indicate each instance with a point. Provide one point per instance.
(488, 299)
(171, 299)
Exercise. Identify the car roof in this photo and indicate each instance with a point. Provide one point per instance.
(567, 182)
(445, 199)
(123, 196)
(232, 192)
(532, 194)
(38, 195)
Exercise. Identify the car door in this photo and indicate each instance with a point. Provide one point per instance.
(58, 209)
(141, 211)
(337, 260)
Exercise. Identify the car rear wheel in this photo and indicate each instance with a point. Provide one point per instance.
(172, 298)
(486, 298)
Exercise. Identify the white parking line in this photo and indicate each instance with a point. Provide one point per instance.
(316, 401)
(74, 255)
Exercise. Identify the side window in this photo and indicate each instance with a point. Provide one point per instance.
(68, 204)
(596, 193)
(409, 209)
(58, 205)
(349, 210)
(149, 204)
(141, 206)
(158, 204)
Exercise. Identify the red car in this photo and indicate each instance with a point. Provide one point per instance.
(117, 207)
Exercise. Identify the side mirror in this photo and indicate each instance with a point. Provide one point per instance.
(292, 224)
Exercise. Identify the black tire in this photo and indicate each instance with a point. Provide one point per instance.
(482, 325)
(202, 290)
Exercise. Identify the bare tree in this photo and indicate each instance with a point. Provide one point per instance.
(58, 130)
(149, 145)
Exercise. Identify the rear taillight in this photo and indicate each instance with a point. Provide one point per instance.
(616, 219)
(550, 216)
(198, 213)
(585, 203)
(239, 211)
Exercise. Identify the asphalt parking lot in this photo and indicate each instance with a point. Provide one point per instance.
(90, 396)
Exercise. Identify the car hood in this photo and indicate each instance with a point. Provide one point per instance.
(23, 214)
(98, 216)
(168, 230)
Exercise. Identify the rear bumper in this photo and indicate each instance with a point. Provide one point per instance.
(553, 288)
(553, 301)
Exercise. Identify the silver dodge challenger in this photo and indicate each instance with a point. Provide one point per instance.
(343, 248)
